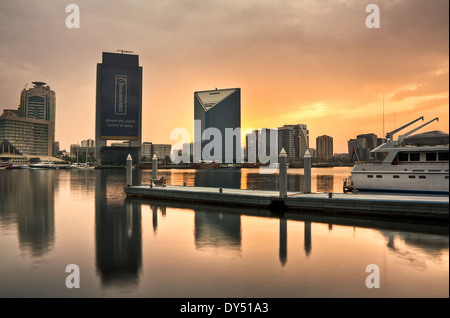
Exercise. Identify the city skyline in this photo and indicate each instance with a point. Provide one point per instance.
(299, 62)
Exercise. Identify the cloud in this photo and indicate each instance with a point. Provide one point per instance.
(302, 60)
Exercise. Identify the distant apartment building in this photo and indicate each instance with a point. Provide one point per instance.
(220, 109)
(146, 151)
(324, 147)
(371, 140)
(295, 141)
(361, 147)
(161, 151)
(39, 102)
(87, 149)
(87, 143)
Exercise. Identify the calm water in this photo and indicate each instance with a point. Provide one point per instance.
(137, 248)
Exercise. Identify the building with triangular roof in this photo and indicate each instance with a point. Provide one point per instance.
(220, 109)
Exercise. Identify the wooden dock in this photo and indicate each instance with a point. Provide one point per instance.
(410, 207)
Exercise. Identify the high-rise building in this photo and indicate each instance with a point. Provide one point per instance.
(251, 145)
(371, 140)
(118, 108)
(220, 109)
(324, 146)
(286, 140)
(294, 139)
(358, 150)
(87, 143)
(303, 144)
(39, 102)
(30, 136)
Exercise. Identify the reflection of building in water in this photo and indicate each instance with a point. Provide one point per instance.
(216, 230)
(307, 238)
(270, 181)
(218, 178)
(117, 232)
(182, 177)
(283, 241)
(82, 179)
(28, 198)
(325, 183)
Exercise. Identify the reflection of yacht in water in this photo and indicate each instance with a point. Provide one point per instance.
(42, 165)
(418, 163)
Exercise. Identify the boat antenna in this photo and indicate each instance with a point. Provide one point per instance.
(383, 115)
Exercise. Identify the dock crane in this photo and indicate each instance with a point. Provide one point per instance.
(390, 135)
(401, 137)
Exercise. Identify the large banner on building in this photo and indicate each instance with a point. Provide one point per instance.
(121, 96)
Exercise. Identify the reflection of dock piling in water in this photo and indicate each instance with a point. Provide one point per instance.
(411, 207)
(433, 208)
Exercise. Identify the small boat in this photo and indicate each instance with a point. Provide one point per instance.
(78, 166)
(42, 165)
(5, 165)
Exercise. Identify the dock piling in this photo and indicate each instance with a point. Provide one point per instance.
(129, 170)
(155, 167)
(283, 173)
(307, 172)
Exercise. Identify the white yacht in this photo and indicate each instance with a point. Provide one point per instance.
(418, 163)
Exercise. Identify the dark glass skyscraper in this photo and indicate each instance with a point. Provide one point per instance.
(118, 106)
(220, 109)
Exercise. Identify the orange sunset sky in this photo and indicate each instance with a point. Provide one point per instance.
(296, 61)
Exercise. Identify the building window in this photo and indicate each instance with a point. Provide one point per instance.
(422, 177)
(369, 176)
(412, 177)
(395, 176)
(446, 177)
(379, 176)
